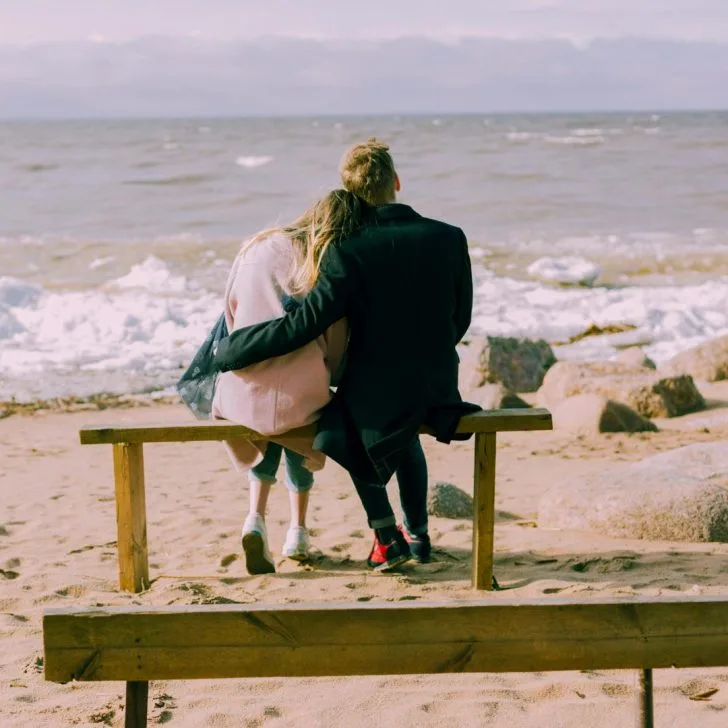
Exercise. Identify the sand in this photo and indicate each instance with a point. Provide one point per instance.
(57, 549)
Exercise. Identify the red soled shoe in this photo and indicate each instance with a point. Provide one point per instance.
(384, 557)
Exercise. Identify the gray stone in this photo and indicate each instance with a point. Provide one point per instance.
(680, 495)
(496, 396)
(634, 356)
(706, 363)
(519, 364)
(448, 501)
(645, 392)
(590, 414)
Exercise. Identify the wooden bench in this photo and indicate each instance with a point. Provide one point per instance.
(128, 442)
(137, 644)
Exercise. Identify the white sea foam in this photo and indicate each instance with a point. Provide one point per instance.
(566, 271)
(596, 132)
(668, 319)
(582, 141)
(17, 293)
(253, 162)
(144, 330)
(519, 136)
(151, 275)
(101, 262)
(134, 334)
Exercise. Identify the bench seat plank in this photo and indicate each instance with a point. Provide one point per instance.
(235, 641)
(195, 431)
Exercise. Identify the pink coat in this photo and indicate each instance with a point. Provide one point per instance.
(284, 393)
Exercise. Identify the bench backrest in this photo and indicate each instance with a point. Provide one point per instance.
(235, 641)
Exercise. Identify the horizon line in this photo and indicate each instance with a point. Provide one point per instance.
(373, 114)
(580, 42)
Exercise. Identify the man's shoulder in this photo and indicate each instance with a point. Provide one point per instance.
(442, 226)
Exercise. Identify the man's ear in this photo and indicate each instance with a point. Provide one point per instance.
(397, 185)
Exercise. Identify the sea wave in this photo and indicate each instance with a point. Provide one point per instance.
(253, 162)
(140, 329)
(177, 180)
(574, 140)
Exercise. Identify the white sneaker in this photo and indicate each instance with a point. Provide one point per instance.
(296, 545)
(258, 559)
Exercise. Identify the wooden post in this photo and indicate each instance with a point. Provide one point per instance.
(646, 718)
(483, 510)
(131, 516)
(137, 695)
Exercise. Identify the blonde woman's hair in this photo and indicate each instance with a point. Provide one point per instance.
(328, 221)
(367, 170)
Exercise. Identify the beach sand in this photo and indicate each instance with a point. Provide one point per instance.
(57, 549)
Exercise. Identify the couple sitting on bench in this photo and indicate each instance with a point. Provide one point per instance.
(370, 297)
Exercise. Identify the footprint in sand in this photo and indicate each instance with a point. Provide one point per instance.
(76, 591)
(163, 706)
(616, 690)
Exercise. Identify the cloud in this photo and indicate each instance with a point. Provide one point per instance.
(183, 76)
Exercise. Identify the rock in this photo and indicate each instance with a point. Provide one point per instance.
(519, 364)
(610, 330)
(588, 414)
(448, 501)
(496, 396)
(706, 363)
(680, 495)
(645, 392)
(634, 356)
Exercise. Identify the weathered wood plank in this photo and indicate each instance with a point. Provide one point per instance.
(507, 420)
(646, 715)
(294, 641)
(486, 421)
(484, 510)
(137, 704)
(131, 516)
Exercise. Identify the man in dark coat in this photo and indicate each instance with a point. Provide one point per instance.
(404, 283)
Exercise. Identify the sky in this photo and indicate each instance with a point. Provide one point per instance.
(40, 21)
(113, 58)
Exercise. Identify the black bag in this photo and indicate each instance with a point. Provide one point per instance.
(197, 384)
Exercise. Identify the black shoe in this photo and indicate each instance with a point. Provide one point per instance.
(420, 547)
(384, 557)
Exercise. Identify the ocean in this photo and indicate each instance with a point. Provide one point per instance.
(116, 236)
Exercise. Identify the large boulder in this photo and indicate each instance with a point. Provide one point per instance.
(680, 495)
(518, 364)
(634, 356)
(707, 362)
(448, 501)
(496, 396)
(645, 392)
(589, 414)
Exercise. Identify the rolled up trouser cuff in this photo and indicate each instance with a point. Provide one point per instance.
(383, 522)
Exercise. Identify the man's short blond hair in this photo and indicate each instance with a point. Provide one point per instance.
(367, 170)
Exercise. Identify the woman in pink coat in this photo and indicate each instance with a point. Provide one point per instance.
(279, 395)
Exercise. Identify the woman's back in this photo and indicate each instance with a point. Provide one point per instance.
(283, 393)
